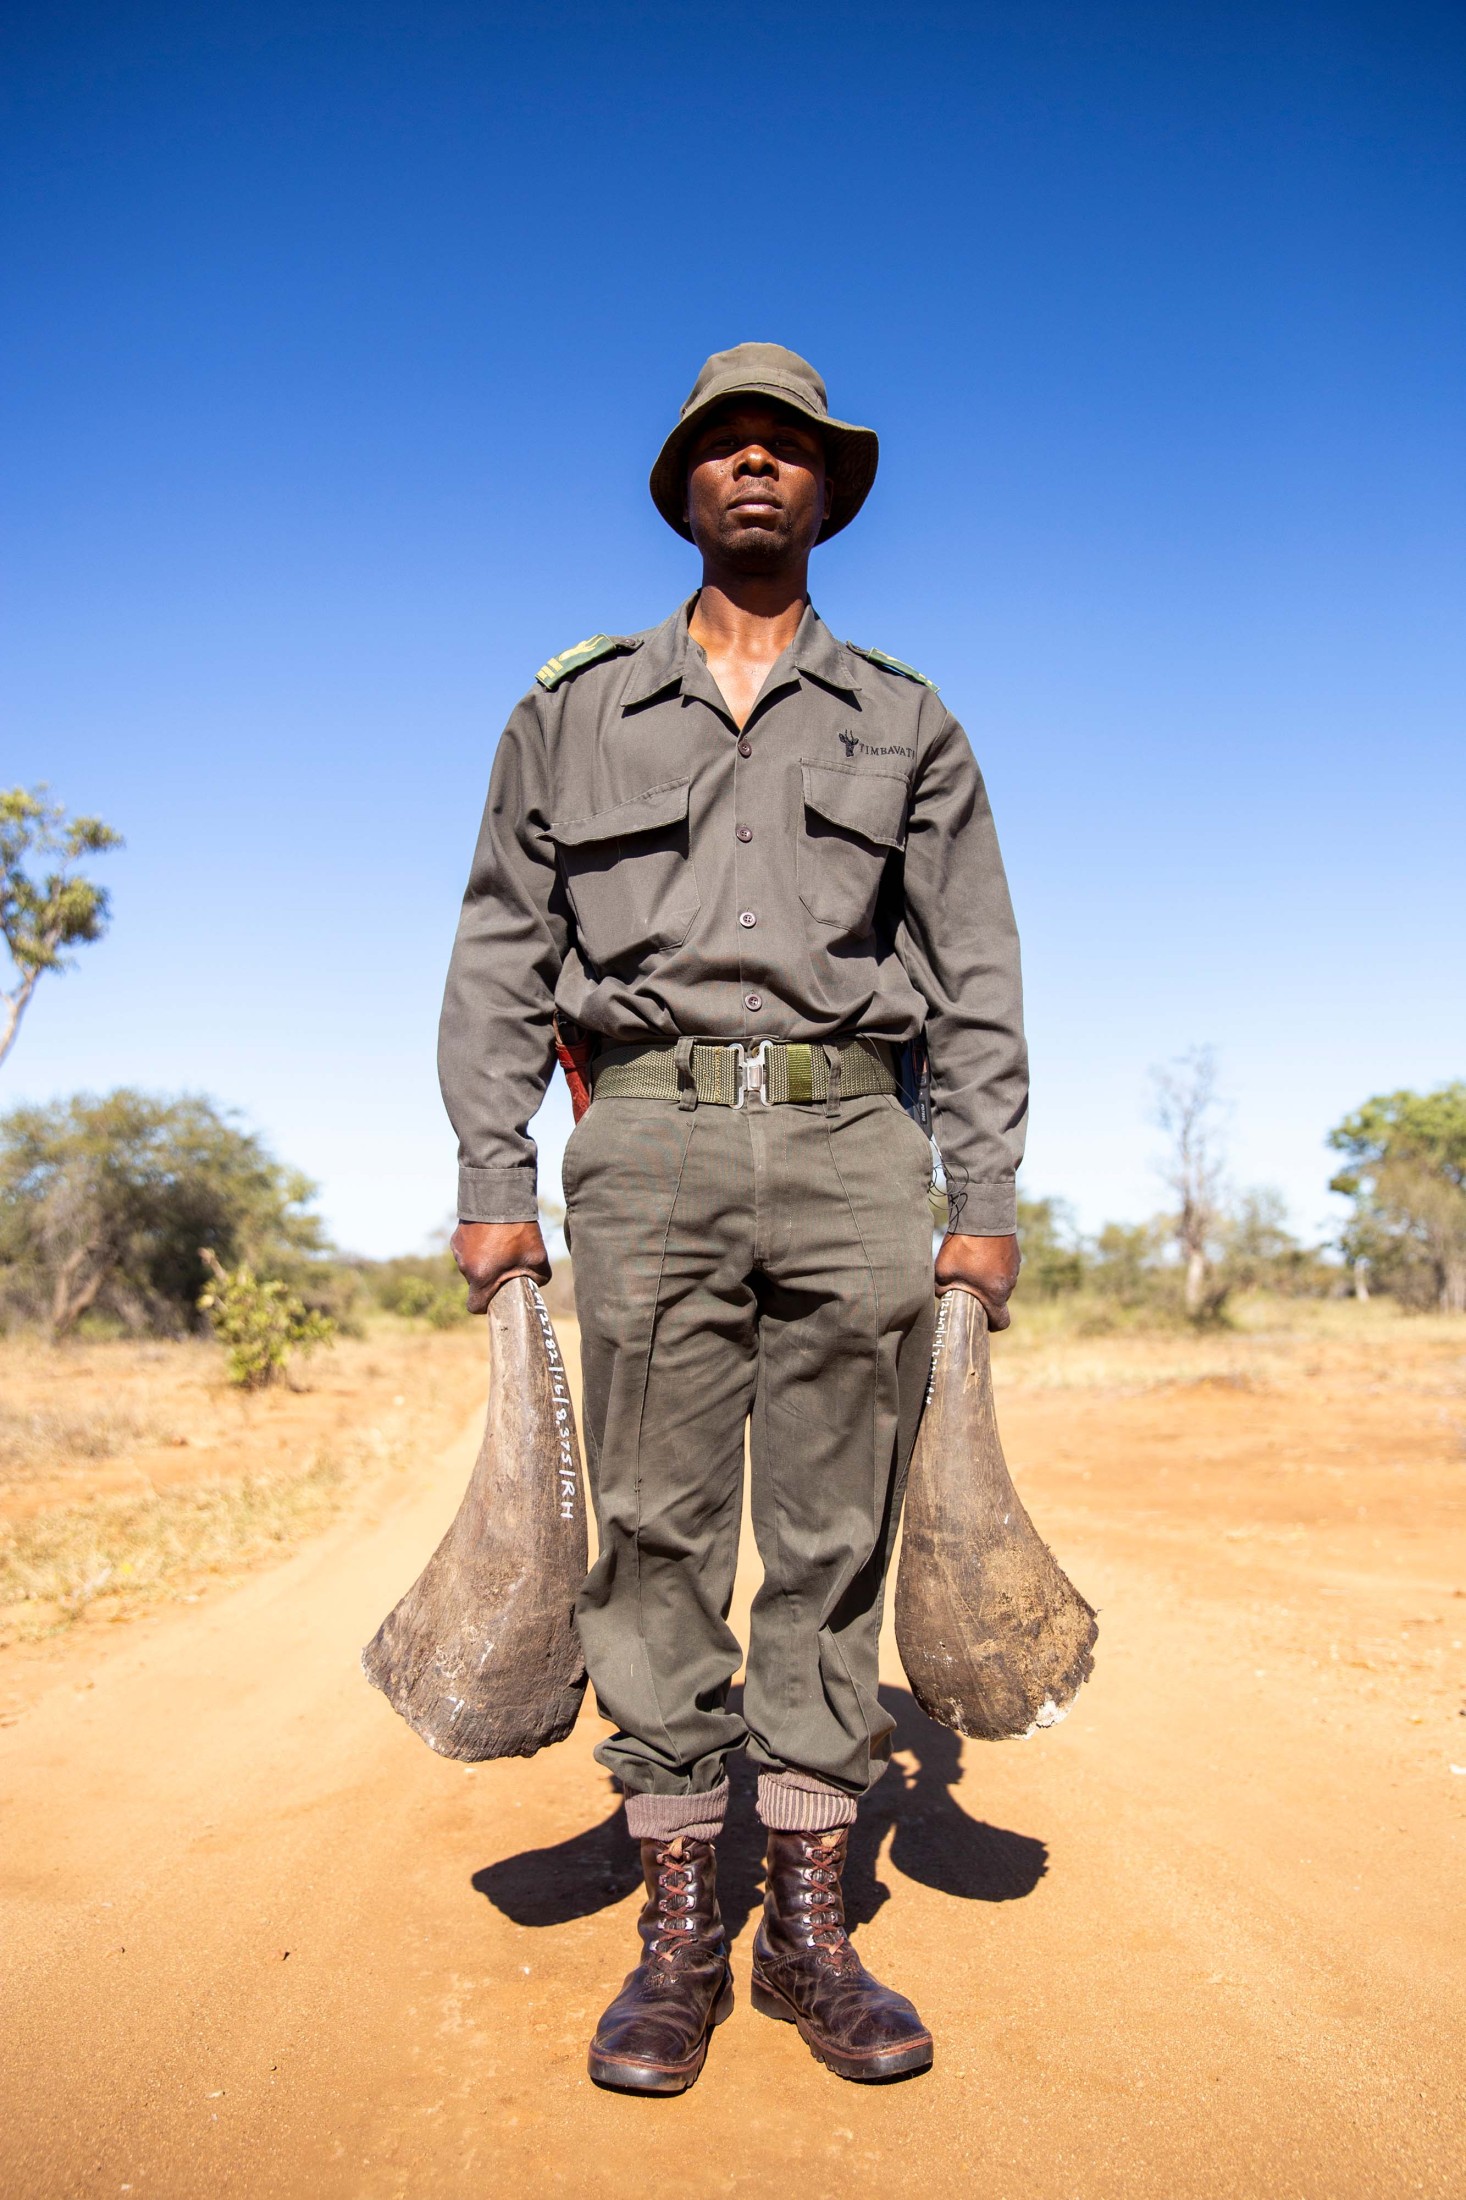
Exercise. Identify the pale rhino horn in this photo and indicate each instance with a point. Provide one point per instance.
(481, 1657)
(995, 1638)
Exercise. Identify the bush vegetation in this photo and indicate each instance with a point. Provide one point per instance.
(422, 1287)
(1131, 1271)
(123, 1211)
(260, 1322)
(114, 1210)
(108, 1205)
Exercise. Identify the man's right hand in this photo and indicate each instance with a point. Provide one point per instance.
(489, 1253)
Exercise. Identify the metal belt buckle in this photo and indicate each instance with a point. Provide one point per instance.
(751, 1071)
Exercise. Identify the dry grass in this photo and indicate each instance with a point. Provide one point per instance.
(1267, 1343)
(131, 1551)
(45, 1441)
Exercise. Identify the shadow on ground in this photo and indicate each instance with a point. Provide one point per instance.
(932, 1840)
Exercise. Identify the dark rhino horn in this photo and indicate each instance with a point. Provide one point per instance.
(995, 1638)
(481, 1656)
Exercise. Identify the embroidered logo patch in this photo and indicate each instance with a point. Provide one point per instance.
(853, 746)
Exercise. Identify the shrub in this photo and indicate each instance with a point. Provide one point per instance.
(419, 1287)
(260, 1321)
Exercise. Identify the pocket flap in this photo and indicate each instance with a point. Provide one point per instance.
(872, 804)
(644, 813)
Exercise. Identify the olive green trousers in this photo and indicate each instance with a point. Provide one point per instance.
(769, 1266)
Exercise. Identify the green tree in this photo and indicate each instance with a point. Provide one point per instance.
(105, 1203)
(421, 1286)
(42, 916)
(1053, 1259)
(1260, 1253)
(1406, 1174)
(1125, 1262)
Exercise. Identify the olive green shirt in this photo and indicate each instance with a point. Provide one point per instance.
(655, 874)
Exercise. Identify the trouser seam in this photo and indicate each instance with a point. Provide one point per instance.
(877, 1513)
(646, 1373)
(787, 1600)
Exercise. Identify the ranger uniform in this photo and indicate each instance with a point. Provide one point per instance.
(750, 924)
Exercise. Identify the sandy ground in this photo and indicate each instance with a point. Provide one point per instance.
(1204, 1939)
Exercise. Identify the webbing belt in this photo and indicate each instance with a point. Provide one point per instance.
(727, 1074)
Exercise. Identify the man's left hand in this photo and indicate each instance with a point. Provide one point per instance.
(986, 1266)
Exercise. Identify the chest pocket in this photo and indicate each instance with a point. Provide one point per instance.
(629, 874)
(853, 821)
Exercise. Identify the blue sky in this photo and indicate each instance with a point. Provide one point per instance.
(341, 341)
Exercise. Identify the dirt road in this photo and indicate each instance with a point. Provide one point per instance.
(1204, 1939)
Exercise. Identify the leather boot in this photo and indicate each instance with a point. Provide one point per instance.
(654, 2036)
(805, 1971)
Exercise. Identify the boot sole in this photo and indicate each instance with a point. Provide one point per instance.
(891, 2062)
(623, 2074)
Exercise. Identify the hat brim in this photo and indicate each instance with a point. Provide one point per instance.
(851, 457)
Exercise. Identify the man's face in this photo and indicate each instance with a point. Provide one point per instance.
(757, 493)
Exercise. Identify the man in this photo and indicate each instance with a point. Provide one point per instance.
(753, 864)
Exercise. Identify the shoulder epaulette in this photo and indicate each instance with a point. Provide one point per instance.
(893, 664)
(575, 660)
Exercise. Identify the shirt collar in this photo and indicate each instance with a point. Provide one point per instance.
(661, 660)
(817, 652)
(669, 659)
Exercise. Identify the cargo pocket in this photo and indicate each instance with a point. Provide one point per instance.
(628, 872)
(853, 821)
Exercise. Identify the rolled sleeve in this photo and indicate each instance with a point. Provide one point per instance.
(495, 1035)
(959, 944)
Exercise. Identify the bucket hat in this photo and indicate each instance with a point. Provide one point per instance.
(768, 370)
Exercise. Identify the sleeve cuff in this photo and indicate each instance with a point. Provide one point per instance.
(984, 1210)
(497, 1195)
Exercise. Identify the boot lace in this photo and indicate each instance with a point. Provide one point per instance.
(676, 1895)
(826, 1919)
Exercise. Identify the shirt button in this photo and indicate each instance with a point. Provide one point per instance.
(745, 748)
(753, 1001)
(745, 832)
(747, 919)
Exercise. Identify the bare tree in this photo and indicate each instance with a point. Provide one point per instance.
(40, 917)
(1188, 1111)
